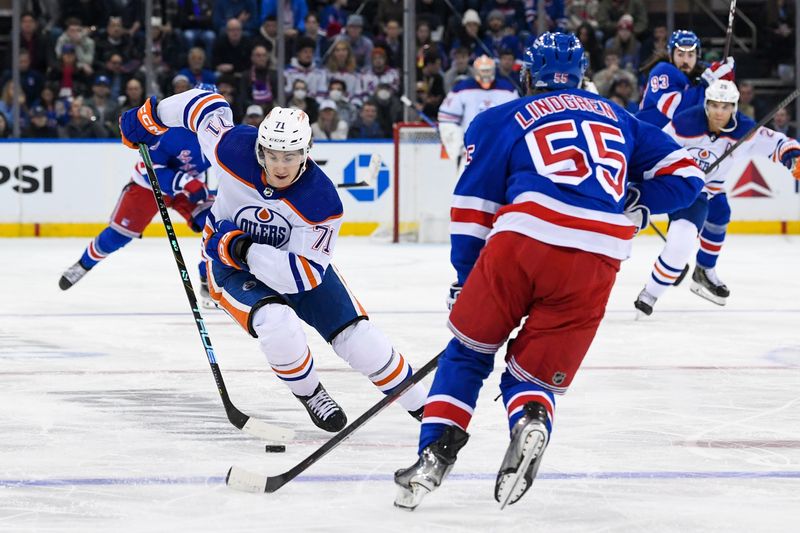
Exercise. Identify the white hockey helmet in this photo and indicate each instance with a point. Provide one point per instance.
(484, 68)
(723, 91)
(284, 130)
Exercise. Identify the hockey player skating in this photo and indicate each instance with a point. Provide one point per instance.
(270, 238)
(181, 170)
(679, 82)
(706, 131)
(468, 98)
(556, 185)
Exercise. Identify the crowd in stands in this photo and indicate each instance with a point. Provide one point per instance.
(82, 61)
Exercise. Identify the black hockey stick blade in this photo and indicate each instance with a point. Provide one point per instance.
(241, 479)
(253, 426)
(353, 185)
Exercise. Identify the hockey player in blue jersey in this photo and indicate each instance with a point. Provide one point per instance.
(679, 81)
(270, 238)
(556, 185)
(181, 170)
(707, 131)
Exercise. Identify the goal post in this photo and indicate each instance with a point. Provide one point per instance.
(424, 179)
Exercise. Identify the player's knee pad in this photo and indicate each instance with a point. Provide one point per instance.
(280, 333)
(695, 213)
(682, 231)
(719, 211)
(363, 346)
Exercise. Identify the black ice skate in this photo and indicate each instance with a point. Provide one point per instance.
(72, 275)
(529, 438)
(325, 413)
(644, 304)
(417, 413)
(205, 295)
(433, 465)
(706, 284)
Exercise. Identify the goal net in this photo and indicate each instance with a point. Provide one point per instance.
(424, 181)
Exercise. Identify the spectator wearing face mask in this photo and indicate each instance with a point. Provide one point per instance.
(379, 73)
(389, 107)
(337, 91)
(329, 127)
(300, 99)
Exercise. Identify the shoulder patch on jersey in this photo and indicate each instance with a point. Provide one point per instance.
(236, 154)
(313, 197)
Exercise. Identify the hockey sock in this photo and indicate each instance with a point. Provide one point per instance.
(681, 243)
(711, 240)
(202, 269)
(454, 392)
(107, 242)
(299, 375)
(517, 393)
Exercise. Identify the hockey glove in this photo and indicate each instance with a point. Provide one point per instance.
(637, 213)
(452, 296)
(719, 71)
(141, 126)
(196, 191)
(228, 245)
(791, 160)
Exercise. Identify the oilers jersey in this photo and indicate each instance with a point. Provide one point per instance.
(468, 98)
(177, 158)
(294, 230)
(668, 91)
(556, 167)
(690, 129)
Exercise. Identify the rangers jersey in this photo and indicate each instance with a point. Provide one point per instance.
(690, 129)
(668, 91)
(555, 167)
(177, 158)
(294, 229)
(468, 98)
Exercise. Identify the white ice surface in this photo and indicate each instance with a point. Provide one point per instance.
(110, 420)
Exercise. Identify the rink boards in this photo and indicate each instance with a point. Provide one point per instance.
(68, 188)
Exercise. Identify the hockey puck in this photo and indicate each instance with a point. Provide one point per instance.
(275, 448)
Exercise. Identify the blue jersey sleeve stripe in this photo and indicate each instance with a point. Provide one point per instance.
(296, 273)
(320, 270)
(208, 109)
(188, 107)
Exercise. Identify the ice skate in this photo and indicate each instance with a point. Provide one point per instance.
(644, 304)
(205, 295)
(706, 284)
(325, 413)
(72, 275)
(433, 465)
(417, 413)
(529, 438)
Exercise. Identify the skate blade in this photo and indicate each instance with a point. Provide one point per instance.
(513, 484)
(702, 292)
(408, 499)
(640, 315)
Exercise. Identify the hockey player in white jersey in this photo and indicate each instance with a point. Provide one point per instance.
(468, 98)
(270, 238)
(707, 131)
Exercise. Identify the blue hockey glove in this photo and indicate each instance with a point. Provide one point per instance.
(141, 126)
(452, 296)
(637, 213)
(791, 160)
(228, 245)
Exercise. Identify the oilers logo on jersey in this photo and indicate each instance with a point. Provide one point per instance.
(702, 156)
(264, 225)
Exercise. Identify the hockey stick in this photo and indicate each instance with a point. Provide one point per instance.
(428, 120)
(253, 426)
(783, 103)
(372, 174)
(729, 31)
(246, 481)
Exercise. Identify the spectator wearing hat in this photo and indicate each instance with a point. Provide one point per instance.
(337, 91)
(366, 125)
(341, 64)
(379, 73)
(625, 44)
(253, 115)
(610, 11)
(259, 83)
(80, 44)
(195, 68)
(554, 15)
(71, 79)
(513, 12)
(245, 11)
(232, 49)
(294, 13)
(302, 67)
(39, 127)
(461, 69)
(498, 37)
(329, 127)
(180, 84)
(333, 17)
(195, 20)
(103, 107)
(469, 35)
(300, 98)
(359, 43)
(317, 36)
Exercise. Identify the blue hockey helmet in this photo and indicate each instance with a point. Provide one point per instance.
(685, 40)
(210, 87)
(555, 61)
